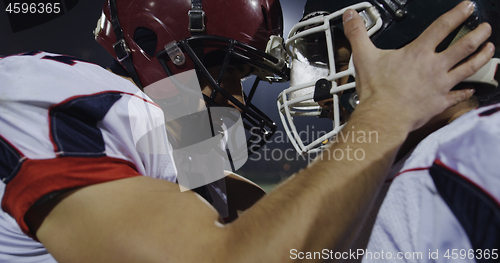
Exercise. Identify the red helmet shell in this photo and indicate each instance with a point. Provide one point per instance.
(249, 21)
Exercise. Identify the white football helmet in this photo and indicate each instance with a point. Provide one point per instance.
(313, 73)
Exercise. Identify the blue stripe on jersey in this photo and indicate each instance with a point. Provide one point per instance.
(30, 53)
(477, 212)
(73, 124)
(64, 59)
(489, 112)
(10, 161)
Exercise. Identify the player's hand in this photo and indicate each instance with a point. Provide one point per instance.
(412, 84)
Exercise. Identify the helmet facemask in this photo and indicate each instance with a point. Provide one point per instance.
(209, 52)
(317, 75)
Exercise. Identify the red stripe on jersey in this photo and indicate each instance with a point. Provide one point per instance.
(37, 178)
(406, 171)
(150, 102)
(412, 170)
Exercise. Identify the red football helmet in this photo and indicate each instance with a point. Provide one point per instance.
(155, 39)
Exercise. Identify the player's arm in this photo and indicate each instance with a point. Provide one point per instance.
(148, 220)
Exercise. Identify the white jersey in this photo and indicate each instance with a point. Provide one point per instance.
(66, 123)
(444, 203)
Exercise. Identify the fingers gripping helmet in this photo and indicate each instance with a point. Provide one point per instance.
(316, 70)
(155, 39)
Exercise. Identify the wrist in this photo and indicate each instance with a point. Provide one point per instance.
(387, 120)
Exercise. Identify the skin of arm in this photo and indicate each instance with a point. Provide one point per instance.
(142, 219)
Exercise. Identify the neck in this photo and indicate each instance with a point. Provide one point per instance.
(439, 121)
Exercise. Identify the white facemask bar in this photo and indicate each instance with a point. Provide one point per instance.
(286, 105)
(486, 74)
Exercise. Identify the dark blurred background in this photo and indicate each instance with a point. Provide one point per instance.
(70, 33)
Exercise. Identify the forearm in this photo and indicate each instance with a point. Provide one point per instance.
(149, 220)
(323, 205)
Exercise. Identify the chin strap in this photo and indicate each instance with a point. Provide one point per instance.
(196, 17)
(123, 54)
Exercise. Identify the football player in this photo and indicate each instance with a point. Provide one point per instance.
(444, 198)
(87, 167)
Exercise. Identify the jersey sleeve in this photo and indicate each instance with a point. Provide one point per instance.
(474, 153)
(73, 125)
(445, 199)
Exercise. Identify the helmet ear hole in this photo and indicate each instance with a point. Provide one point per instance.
(146, 39)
